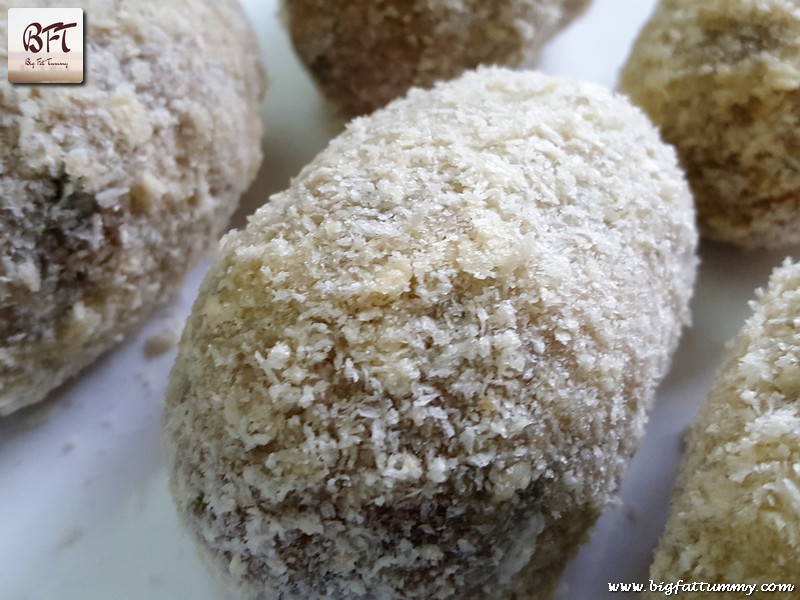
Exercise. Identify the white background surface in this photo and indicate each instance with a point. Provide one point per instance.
(84, 509)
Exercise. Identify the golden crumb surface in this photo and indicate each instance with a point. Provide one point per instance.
(111, 190)
(419, 371)
(722, 80)
(364, 53)
(735, 514)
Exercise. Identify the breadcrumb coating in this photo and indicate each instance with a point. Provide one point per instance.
(419, 371)
(722, 80)
(364, 53)
(735, 514)
(111, 190)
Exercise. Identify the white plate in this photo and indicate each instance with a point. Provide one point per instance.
(84, 509)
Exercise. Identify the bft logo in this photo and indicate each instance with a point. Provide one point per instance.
(32, 37)
(45, 45)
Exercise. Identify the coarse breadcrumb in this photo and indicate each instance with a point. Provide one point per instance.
(111, 190)
(735, 514)
(364, 53)
(722, 80)
(419, 371)
(165, 339)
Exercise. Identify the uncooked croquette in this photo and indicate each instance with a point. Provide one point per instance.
(111, 190)
(419, 371)
(735, 514)
(363, 53)
(722, 80)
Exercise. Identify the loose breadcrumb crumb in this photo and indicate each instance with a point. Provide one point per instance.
(165, 340)
(69, 538)
(69, 446)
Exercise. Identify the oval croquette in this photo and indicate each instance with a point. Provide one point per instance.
(722, 80)
(111, 190)
(363, 53)
(419, 371)
(735, 513)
